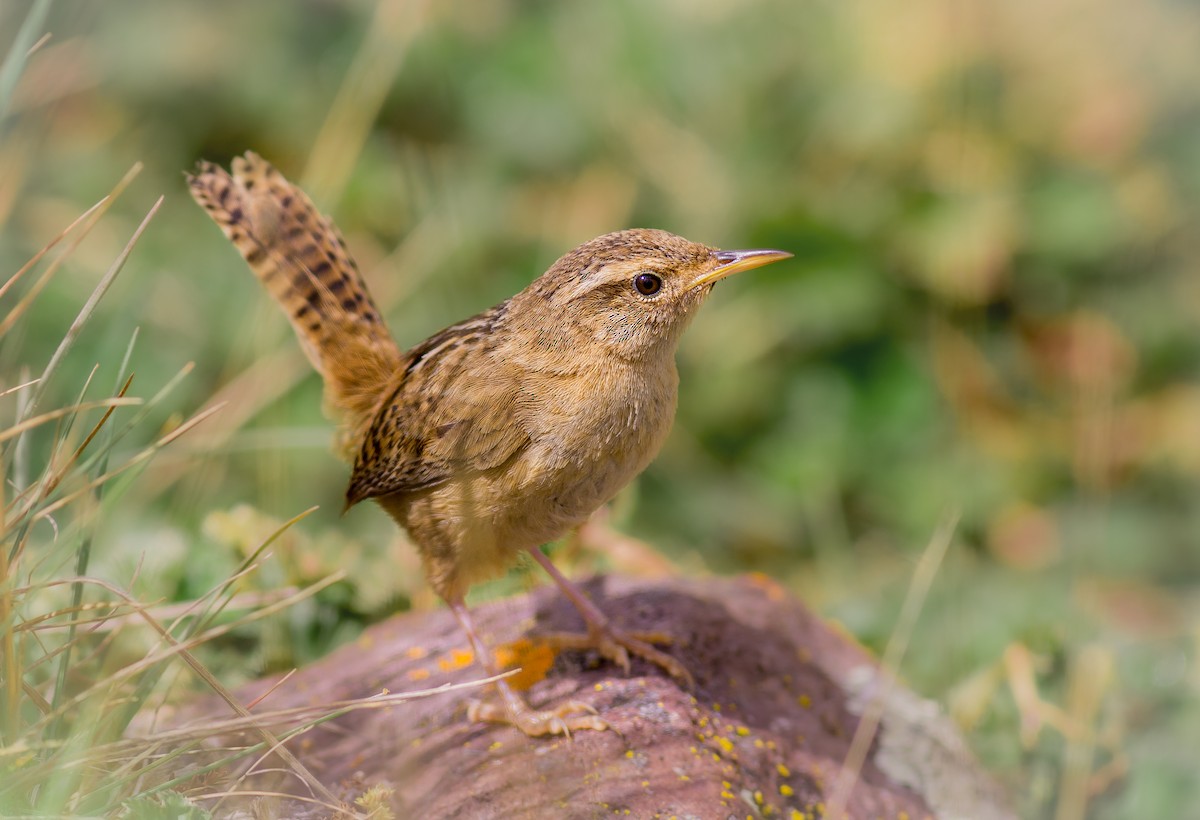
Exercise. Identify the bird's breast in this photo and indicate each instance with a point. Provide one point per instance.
(593, 432)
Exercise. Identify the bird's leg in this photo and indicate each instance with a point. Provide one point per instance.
(602, 636)
(513, 709)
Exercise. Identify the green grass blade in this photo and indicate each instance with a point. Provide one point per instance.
(14, 62)
(85, 551)
(89, 307)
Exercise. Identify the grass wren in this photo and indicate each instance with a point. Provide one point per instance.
(502, 432)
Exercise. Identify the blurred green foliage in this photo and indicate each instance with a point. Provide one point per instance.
(993, 305)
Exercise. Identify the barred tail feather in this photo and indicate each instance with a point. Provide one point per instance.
(301, 259)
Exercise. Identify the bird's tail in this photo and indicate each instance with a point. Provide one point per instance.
(301, 259)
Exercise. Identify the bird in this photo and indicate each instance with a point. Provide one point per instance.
(502, 432)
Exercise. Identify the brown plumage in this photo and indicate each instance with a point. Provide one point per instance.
(300, 257)
(504, 431)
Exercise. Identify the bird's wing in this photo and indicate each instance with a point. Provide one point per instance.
(452, 415)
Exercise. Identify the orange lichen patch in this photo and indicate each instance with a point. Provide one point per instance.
(769, 585)
(533, 658)
(416, 652)
(418, 674)
(458, 659)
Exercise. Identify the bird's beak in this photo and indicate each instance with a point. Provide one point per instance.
(732, 262)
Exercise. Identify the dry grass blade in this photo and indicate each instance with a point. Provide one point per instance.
(41, 622)
(188, 425)
(274, 688)
(83, 554)
(297, 720)
(49, 246)
(162, 393)
(36, 421)
(92, 217)
(18, 387)
(163, 612)
(97, 294)
(868, 725)
(33, 49)
(338, 809)
(183, 650)
(273, 743)
(50, 478)
(208, 727)
(381, 701)
(172, 649)
(99, 463)
(57, 478)
(247, 566)
(140, 458)
(9, 659)
(111, 622)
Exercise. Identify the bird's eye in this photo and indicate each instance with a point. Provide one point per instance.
(647, 284)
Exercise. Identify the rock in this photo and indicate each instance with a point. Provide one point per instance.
(764, 734)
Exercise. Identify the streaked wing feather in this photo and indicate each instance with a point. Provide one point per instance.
(451, 415)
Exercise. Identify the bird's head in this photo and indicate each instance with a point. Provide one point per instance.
(632, 292)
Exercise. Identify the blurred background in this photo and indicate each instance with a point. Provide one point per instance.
(993, 310)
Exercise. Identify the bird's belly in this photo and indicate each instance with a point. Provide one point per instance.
(472, 530)
(558, 502)
(567, 477)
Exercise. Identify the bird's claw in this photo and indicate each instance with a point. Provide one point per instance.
(616, 646)
(561, 720)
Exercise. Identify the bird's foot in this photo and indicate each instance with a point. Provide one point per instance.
(572, 716)
(602, 636)
(617, 645)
